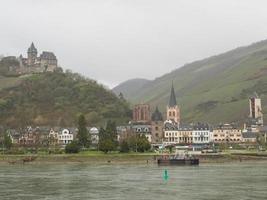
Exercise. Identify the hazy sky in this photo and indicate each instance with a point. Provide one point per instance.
(115, 40)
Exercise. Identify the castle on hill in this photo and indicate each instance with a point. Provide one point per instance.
(46, 62)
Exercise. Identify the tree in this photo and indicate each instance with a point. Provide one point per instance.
(124, 147)
(7, 141)
(111, 130)
(139, 143)
(142, 143)
(107, 145)
(72, 147)
(108, 138)
(83, 136)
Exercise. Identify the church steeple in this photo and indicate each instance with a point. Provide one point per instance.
(172, 101)
(173, 111)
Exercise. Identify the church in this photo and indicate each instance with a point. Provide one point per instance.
(173, 110)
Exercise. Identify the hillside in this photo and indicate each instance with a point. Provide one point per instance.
(214, 89)
(133, 85)
(56, 99)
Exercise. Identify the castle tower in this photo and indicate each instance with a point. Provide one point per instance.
(255, 111)
(173, 111)
(32, 54)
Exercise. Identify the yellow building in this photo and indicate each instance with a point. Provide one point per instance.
(227, 133)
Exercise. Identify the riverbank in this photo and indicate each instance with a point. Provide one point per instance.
(128, 158)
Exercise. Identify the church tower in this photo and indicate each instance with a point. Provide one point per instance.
(32, 54)
(173, 111)
(255, 110)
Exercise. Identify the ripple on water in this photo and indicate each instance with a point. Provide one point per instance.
(126, 182)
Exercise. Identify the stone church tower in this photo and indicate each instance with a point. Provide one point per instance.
(173, 111)
(255, 110)
(32, 55)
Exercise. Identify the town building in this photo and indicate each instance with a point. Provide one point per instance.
(177, 135)
(202, 134)
(157, 127)
(53, 136)
(65, 137)
(255, 110)
(249, 137)
(94, 133)
(143, 129)
(227, 133)
(141, 113)
(124, 132)
(173, 110)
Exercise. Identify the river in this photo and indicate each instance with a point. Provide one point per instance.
(238, 181)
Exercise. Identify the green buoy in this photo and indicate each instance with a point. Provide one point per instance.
(165, 175)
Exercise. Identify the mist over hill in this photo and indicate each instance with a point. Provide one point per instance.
(131, 86)
(215, 89)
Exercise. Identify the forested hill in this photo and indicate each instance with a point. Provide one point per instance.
(56, 99)
(214, 89)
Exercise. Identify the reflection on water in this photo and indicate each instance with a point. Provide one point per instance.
(80, 181)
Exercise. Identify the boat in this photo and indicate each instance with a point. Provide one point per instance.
(177, 159)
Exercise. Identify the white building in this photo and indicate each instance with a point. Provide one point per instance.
(65, 137)
(202, 134)
(94, 132)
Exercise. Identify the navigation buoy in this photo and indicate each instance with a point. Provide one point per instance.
(165, 175)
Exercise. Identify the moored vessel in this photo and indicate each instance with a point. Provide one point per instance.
(177, 159)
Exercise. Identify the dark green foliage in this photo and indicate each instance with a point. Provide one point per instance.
(108, 138)
(142, 143)
(6, 63)
(139, 143)
(124, 147)
(107, 145)
(7, 141)
(56, 99)
(72, 147)
(83, 134)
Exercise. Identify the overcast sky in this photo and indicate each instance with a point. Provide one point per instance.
(116, 40)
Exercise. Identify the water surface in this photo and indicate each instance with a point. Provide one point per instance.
(127, 182)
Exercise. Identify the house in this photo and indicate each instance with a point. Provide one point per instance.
(249, 137)
(177, 135)
(202, 134)
(143, 129)
(94, 133)
(227, 133)
(65, 137)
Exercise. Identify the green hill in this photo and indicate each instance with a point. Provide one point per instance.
(133, 85)
(56, 99)
(214, 89)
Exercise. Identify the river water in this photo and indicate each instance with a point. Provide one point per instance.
(126, 182)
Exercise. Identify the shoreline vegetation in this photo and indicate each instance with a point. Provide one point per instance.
(100, 158)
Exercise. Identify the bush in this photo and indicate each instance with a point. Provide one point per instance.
(73, 147)
(107, 145)
(124, 147)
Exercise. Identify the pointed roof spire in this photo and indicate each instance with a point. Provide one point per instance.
(32, 49)
(157, 116)
(172, 101)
